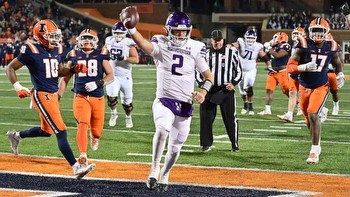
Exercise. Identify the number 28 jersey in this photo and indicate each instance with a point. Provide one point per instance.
(42, 64)
(176, 67)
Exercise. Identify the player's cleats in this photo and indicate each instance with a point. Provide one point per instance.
(14, 141)
(151, 183)
(313, 158)
(335, 111)
(94, 142)
(83, 160)
(162, 187)
(244, 111)
(285, 117)
(81, 170)
(251, 113)
(324, 114)
(265, 112)
(128, 122)
(113, 119)
(206, 148)
(299, 113)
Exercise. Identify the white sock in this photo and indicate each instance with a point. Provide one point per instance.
(114, 111)
(336, 104)
(267, 108)
(289, 113)
(315, 149)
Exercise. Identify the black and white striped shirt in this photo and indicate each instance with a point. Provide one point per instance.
(225, 66)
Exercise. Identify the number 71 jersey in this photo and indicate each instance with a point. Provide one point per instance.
(42, 64)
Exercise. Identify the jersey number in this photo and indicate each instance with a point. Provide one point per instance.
(179, 64)
(322, 61)
(248, 55)
(91, 66)
(114, 52)
(51, 67)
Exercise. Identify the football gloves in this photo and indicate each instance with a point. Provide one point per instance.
(93, 85)
(120, 57)
(78, 68)
(308, 67)
(340, 79)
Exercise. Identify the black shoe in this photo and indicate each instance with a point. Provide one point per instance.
(235, 149)
(206, 148)
(151, 183)
(162, 187)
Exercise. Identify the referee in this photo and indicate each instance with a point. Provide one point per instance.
(226, 68)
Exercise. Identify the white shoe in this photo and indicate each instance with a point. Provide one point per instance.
(299, 113)
(243, 111)
(81, 170)
(14, 141)
(83, 160)
(113, 119)
(313, 158)
(128, 122)
(285, 117)
(265, 112)
(324, 114)
(94, 142)
(335, 112)
(251, 113)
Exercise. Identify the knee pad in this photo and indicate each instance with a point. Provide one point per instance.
(128, 108)
(249, 91)
(112, 101)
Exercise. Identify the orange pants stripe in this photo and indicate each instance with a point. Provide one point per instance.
(332, 80)
(47, 105)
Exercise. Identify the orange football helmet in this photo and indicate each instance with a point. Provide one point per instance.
(280, 37)
(47, 33)
(87, 39)
(318, 30)
(299, 31)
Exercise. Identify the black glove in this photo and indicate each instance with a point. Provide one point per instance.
(120, 57)
(345, 9)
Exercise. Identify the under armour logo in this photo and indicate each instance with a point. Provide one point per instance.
(178, 106)
(47, 97)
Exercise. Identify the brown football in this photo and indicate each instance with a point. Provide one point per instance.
(130, 17)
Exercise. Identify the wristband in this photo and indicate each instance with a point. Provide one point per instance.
(17, 86)
(100, 83)
(125, 58)
(132, 31)
(207, 84)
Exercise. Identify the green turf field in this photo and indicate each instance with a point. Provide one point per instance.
(265, 141)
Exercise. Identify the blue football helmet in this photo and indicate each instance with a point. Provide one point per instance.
(178, 21)
(119, 31)
(250, 37)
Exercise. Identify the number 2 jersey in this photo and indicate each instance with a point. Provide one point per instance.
(176, 67)
(322, 56)
(94, 63)
(42, 64)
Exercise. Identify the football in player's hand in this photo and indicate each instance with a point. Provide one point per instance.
(129, 17)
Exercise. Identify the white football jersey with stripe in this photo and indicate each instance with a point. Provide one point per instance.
(249, 54)
(121, 68)
(176, 67)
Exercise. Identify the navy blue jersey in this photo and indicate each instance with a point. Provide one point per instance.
(42, 64)
(94, 63)
(322, 56)
(278, 62)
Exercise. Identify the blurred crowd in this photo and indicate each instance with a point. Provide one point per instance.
(294, 19)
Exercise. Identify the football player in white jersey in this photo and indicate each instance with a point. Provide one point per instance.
(177, 57)
(249, 51)
(123, 54)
